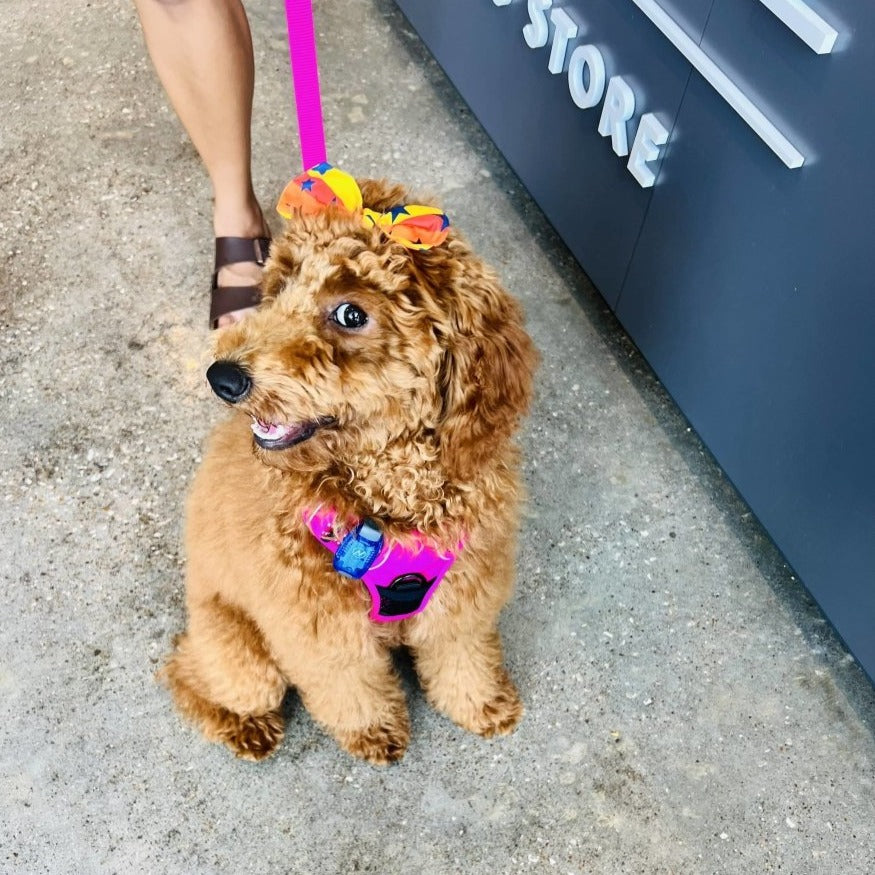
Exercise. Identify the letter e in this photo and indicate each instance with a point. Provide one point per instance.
(651, 135)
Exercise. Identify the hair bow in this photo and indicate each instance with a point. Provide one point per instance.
(412, 225)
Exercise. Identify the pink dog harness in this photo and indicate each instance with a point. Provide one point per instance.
(401, 580)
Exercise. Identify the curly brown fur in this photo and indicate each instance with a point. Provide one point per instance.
(414, 418)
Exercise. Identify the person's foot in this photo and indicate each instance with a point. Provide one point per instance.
(231, 273)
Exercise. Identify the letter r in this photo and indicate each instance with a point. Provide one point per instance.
(618, 109)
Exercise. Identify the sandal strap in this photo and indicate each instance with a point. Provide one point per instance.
(227, 299)
(233, 250)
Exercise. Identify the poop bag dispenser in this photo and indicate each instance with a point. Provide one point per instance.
(359, 549)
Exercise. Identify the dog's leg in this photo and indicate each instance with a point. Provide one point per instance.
(224, 680)
(360, 703)
(463, 675)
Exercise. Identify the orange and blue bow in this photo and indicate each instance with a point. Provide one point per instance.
(412, 225)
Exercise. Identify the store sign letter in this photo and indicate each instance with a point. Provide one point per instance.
(588, 84)
(586, 75)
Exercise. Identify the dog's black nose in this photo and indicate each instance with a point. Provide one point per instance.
(229, 381)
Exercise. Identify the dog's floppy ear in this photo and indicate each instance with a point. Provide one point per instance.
(488, 369)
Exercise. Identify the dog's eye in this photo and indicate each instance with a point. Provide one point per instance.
(349, 316)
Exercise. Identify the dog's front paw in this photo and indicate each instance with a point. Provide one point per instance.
(252, 737)
(381, 744)
(498, 715)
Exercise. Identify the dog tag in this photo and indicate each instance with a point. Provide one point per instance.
(358, 550)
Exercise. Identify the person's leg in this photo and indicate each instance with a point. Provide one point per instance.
(202, 52)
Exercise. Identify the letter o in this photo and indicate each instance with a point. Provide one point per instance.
(584, 57)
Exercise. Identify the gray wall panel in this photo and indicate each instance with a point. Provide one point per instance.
(583, 187)
(747, 285)
(752, 293)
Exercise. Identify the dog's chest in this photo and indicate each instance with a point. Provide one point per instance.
(401, 578)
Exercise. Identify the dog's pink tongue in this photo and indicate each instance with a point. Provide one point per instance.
(269, 431)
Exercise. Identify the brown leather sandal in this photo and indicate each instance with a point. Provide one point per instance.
(233, 250)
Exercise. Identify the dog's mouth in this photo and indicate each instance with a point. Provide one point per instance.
(281, 436)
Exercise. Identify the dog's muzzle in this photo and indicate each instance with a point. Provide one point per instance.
(229, 381)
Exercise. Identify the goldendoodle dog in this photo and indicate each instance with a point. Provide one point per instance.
(364, 494)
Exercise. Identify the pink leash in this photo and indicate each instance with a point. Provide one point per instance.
(305, 79)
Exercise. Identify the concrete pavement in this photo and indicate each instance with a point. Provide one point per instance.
(689, 709)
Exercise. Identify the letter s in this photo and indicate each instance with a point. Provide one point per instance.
(538, 30)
